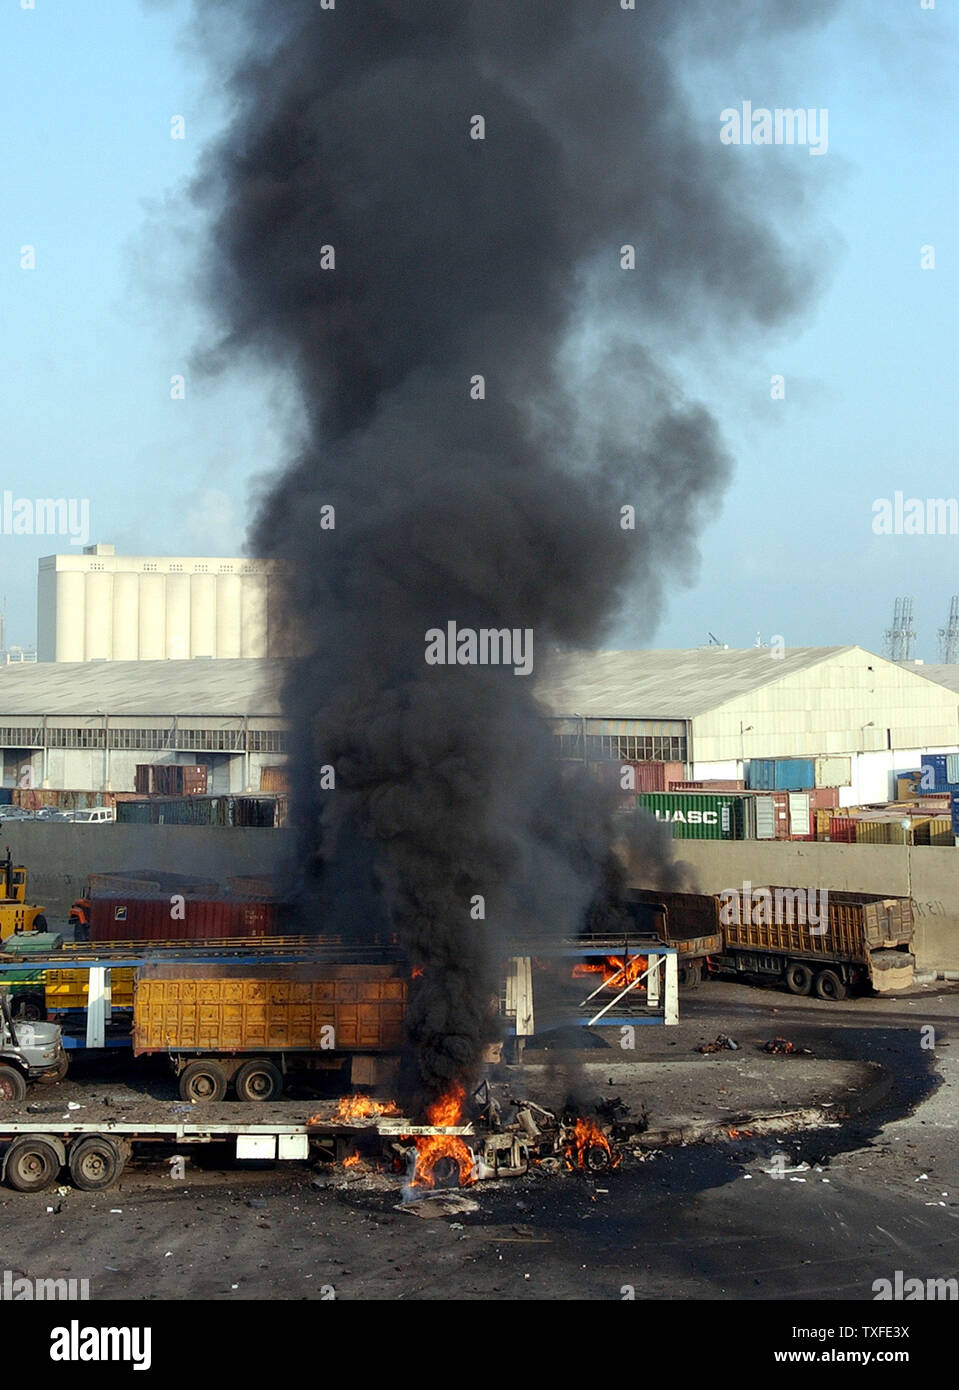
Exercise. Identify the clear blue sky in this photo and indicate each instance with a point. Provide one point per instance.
(91, 337)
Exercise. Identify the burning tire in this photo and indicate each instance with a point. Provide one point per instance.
(13, 1085)
(31, 1165)
(596, 1159)
(202, 1081)
(446, 1172)
(798, 977)
(259, 1080)
(94, 1163)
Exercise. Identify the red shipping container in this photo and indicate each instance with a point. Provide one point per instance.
(842, 830)
(714, 784)
(823, 798)
(655, 777)
(132, 918)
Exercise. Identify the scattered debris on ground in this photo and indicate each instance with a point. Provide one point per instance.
(783, 1045)
(723, 1043)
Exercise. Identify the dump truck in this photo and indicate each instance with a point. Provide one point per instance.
(688, 922)
(28, 1052)
(16, 914)
(223, 1024)
(866, 940)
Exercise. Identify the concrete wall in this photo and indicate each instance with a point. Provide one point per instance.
(60, 856)
(930, 875)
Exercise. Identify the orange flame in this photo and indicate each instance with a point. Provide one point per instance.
(356, 1108)
(352, 1161)
(586, 1135)
(417, 972)
(614, 969)
(430, 1148)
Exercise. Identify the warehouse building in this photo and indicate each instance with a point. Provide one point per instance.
(714, 710)
(86, 726)
(100, 606)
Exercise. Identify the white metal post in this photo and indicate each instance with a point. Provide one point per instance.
(96, 1011)
(652, 981)
(671, 999)
(519, 996)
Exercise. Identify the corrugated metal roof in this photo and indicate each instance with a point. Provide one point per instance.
(238, 686)
(942, 675)
(664, 684)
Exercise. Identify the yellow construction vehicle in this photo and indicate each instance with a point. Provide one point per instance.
(16, 914)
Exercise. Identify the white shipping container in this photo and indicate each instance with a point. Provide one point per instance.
(799, 813)
(832, 772)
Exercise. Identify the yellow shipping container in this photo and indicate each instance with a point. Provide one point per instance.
(880, 832)
(940, 831)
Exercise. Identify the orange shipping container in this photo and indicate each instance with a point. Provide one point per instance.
(235, 1009)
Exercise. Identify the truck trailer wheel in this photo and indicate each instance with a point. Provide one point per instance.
(31, 1008)
(829, 985)
(94, 1163)
(258, 1080)
(13, 1085)
(31, 1164)
(798, 977)
(689, 976)
(202, 1081)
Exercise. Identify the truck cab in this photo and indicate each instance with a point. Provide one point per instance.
(16, 914)
(28, 1052)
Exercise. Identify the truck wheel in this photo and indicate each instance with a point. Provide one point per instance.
(94, 1163)
(829, 985)
(689, 976)
(259, 1080)
(203, 1081)
(13, 1085)
(63, 1066)
(31, 1008)
(40, 922)
(798, 977)
(31, 1164)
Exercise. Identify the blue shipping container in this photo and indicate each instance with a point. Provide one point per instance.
(795, 774)
(933, 771)
(781, 774)
(955, 814)
(940, 772)
(761, 775)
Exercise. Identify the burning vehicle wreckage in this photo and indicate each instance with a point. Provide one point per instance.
(474, 1138)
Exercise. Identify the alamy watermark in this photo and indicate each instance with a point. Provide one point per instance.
(24, 1288)
(915, 516)
(783, 126)
(899, 1288)
(775, 906)
(45, 516)
(485, 646)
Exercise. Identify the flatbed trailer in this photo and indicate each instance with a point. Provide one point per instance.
(95, 1152)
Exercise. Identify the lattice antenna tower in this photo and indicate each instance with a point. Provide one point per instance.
(949, 635)
(899, 640)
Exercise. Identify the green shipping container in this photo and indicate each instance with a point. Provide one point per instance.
(698, 815)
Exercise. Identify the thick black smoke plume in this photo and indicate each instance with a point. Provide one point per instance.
(456, 257)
